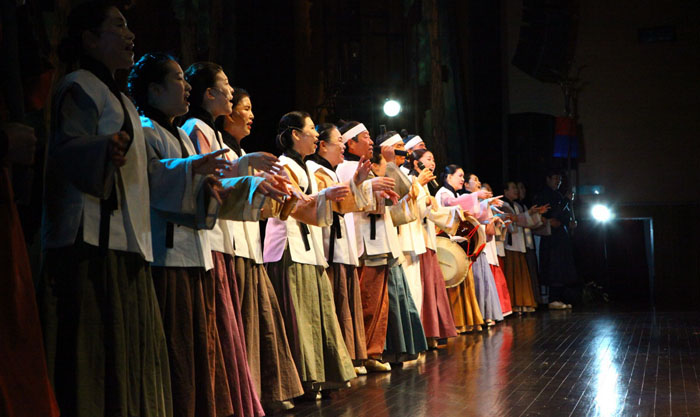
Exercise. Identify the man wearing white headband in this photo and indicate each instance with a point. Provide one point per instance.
(357, 141)
(412, 143)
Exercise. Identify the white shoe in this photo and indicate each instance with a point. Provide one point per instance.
(569, 306)
(557, 305)
(360, 370)
(373, 365)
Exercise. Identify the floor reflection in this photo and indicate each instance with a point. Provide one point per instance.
(549, 364)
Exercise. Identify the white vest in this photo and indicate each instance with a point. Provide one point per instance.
(280, 234)
(246, 235)
(220, 237)
(343, 252)
(130, 224)
(190, 247)
(385, 240)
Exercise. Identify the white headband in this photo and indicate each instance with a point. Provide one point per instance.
(353, 132)
(392, 140)
(413, 142)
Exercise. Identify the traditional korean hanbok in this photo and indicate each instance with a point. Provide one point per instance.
(392, 322)
(341, 255)
(296, 264)
(531, 253)
(491, 250)
(269, 356)
(465, 307)
(436, 313)
(515, 263)
(106, 348)
(227, 312)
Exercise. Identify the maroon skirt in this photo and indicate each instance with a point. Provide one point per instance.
(436, 313)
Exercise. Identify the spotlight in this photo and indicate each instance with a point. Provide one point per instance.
(601, 213)
(392, 108)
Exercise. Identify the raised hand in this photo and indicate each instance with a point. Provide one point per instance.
(337, 192)
(274, 189)
(389, 194)
(388, 153)
(425, 176)
(383, 184)
(116, 148)
(484, 194)
(263, 161)
(210, 164)
(362, 171)
(216, 189)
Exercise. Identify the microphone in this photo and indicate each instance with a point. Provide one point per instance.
(432, 182)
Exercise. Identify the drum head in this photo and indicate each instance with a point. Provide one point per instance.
(453, 261)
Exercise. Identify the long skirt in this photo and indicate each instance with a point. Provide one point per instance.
(317, 343)
(24, 378)
(531, 258)
(105, 344)
(348, 307)
(465, 307)
(485, 288)
(502, 287)
(187, 306)
(405, 337)
(233, 344)
(412, 269)
(436, 314)
(374, 290)
(518, 277)
(269, 357)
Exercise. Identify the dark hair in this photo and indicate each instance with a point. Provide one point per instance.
(289, 122)
(553, 171)
(238, 95)
(324, 132)
(507, 183)
(413, 157)
(201, 75)
(150, 68)
(376, 158)
(449, 170)
(87, 16)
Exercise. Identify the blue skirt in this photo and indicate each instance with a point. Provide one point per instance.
(485, 288)
(405, 337)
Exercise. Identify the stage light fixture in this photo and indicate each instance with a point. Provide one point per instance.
(601, 213)
(392, 108)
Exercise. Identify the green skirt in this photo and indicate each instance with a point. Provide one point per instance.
(105, 344)
(306, 298)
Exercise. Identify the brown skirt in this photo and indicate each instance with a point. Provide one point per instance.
(374, 290)
(229, 324)
(187, 305)
(465, 307)
(348, 307)
(311, 323)
(518, 278)
(106, 350)
(269, 356)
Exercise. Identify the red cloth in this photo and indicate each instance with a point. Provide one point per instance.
(502, 288)
(232, 336)
(437, 313)
(24, 384)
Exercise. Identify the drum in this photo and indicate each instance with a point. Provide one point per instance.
(473, 236)
(453, 261)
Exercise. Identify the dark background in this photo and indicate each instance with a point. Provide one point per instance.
(478, 80)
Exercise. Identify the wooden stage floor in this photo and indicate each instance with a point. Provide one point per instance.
(552, 363)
